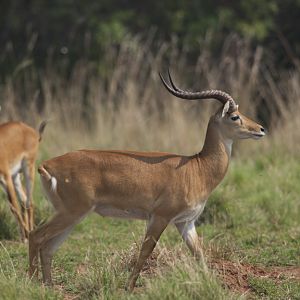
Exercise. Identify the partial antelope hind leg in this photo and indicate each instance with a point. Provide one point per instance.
(46, 240)
(9, 187)
(21, 197)
(29, 174)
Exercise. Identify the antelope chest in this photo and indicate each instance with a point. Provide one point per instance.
(190, 214)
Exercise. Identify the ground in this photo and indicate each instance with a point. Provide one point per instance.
(251, 236)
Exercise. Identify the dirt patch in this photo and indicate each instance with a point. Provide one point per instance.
(236, 275)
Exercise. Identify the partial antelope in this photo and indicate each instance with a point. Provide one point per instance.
(18, 150)
(161, 188)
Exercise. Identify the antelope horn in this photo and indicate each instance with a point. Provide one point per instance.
(177, 89)
(215, 94)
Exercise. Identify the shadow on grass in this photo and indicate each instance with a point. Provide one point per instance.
(8, 230)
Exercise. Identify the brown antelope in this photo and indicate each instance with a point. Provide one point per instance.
(18, 149)
(162, 188)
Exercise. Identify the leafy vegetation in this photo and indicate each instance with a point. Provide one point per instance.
(61, 33)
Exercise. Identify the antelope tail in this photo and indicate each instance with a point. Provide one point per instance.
(41, 129)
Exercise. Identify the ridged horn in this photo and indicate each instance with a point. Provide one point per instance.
(206, 94)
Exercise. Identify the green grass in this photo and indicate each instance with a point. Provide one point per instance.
(268, 289)
(252, 218)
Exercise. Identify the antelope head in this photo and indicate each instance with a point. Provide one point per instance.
(232, 124)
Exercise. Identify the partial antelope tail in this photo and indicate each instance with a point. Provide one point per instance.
(41, 129)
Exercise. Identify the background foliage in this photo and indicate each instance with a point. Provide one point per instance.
(64, 31)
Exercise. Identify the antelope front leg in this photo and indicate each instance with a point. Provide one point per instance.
(155, 228)
(21, 197)
(191, 238)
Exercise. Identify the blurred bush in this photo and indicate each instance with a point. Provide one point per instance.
(66, 31)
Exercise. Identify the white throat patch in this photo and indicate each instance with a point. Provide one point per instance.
(228, 146)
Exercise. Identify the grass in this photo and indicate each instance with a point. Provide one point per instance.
(268, 289)
(246, 221)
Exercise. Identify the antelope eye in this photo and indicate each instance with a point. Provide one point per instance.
(234, 118)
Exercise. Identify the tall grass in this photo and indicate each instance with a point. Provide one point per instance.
(126, 106)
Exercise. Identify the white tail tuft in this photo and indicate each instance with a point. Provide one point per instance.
(53, 184)
(48, 177)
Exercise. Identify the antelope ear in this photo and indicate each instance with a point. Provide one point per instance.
(225, 109)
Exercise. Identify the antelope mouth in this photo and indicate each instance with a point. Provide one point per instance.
(257, 135)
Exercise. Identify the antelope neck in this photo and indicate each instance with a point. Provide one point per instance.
(214, 158)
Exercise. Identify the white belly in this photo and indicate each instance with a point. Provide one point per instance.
(186, 216)
(190, 215)
(110, 211)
